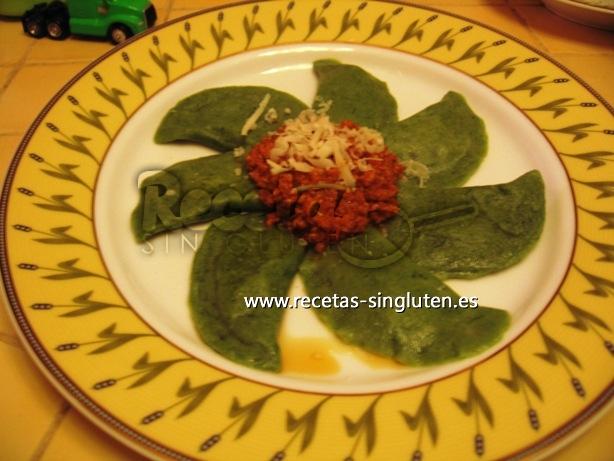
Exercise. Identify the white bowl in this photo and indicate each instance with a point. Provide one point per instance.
(594, 16)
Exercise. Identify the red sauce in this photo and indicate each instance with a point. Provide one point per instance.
(323, 216)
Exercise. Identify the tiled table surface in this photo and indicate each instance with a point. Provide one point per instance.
(36, 423)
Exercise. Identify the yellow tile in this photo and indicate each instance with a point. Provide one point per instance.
(72, 49)
(14, 44)
(596, 70)
(162, 9)
(196, 4)
(502, 18)
(594, 444)
(5, 73)
(8, 146)
(438, 3)
(175, 13)
(161, 5)
(29, 405)
(562, 36)
(29, 91)
(82, 440)
(7, 332)
(6, 328)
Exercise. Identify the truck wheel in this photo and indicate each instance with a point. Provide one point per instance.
(34, 27)
(119, 33)
(57, 29)
(33, 21)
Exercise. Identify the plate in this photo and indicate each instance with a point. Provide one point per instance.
(583, 13)
(107, 319)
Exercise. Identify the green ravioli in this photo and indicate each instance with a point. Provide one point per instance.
(415, 337)
(193, 191)
(215, 117)
(470, 232)
(447, 137)
(229, 266)
(355, 94)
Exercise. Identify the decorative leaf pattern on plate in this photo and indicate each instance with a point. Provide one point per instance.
(507, 66)
(535, 84)
(446, 39)
(424, 417)
(595, 159)
(60, 236)
(383, 24)
(521, 87)
(83, 305)
(521, 381)
(601, 286)
(62, 171)
(305, 425)
(248, 414)
(189, 45)
(162, 60)
(195, 396)
(365, 426)
(317, 19)
(60, 203)
(219, 34)
(111, 94)
(477, 51)
(350, 20)
(584, 320)
(109, 339)
(65, 270)
(557, 354)
(250, 26)
(415, 29)
(475, 404)
(75, 142)
(145, 369)
(136, 75)
(91, 117)
(283, 21)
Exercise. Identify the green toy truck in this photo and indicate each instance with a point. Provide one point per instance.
(115, 19)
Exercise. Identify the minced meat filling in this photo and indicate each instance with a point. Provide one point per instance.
(325, 181)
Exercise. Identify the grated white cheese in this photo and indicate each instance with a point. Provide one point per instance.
(271, 115)
(323, 106)
(276, 168)
(238, 152)
(250, 123)
(312, 141)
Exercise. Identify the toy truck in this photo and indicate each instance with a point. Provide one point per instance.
(116, 20)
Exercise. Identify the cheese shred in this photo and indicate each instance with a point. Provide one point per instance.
(250, 123)
(312, 141)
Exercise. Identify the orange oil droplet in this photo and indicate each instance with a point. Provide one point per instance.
(311, 356)
(316, 356)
